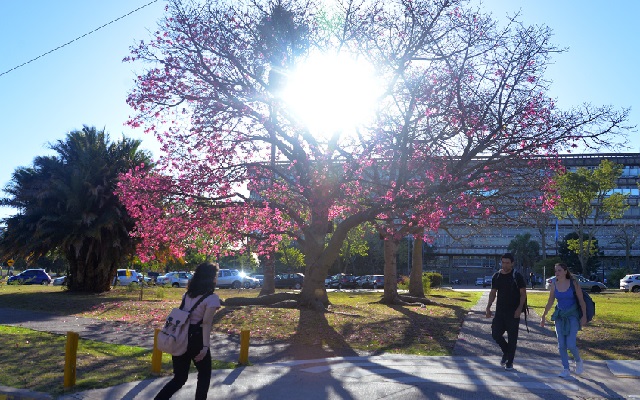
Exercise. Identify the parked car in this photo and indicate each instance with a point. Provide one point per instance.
(327, 280)
(630, 283)
(60, 280)
(480, 281)
(249, 282)
(586, 284)
(33, 276)
(174, 279)
(289, 281)
(342, 281)
(361, 280)
(374, 282)
(152, 277)
(126, 277)
(487, 281)
(229, 278)
(259, 277)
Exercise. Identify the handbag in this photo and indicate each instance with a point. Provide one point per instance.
(173, 338)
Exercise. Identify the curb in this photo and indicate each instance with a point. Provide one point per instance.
(8, 393)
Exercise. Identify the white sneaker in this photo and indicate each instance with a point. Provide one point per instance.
(579, 367)
(565, 373)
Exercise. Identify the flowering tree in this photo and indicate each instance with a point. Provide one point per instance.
(460, 101)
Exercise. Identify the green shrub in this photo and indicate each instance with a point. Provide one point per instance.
(403, 282)
(614, 277)
(426, 283)
(435, 278)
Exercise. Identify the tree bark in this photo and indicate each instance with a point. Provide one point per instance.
(269, 282)
(416, 289)
(390, 271)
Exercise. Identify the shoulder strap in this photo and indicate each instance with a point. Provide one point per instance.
(204, 296)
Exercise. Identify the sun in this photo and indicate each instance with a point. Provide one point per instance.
(333, 94)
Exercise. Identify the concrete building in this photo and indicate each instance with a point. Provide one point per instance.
(475, 252)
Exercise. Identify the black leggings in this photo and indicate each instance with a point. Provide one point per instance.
(181, 365)
(506, 323)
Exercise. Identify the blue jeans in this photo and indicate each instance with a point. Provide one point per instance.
(568, 342)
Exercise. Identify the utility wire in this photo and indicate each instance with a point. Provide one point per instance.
(78, 38)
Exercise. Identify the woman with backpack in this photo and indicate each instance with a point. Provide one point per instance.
(201, 286)
(567, 316)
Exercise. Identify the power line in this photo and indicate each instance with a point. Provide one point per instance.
(78, 38)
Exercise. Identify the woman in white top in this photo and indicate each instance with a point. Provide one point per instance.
(203, 283)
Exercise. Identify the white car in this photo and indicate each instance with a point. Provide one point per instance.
(249, 282)
(59, 281)
(174, 279)
(630, 283)
(229, 278)
(126, 277)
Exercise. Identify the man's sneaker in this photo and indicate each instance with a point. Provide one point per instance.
(508, 366)
(503, 362)
(564, 374)
(579, 367)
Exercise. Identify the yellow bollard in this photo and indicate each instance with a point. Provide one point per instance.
(156, 355)
(70, 357)
(244, 348)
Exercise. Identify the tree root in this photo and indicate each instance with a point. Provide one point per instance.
(269, 300)
(404, 300)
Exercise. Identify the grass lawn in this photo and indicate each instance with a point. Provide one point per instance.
(613, 334)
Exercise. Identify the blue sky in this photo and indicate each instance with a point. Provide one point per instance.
(86, 82)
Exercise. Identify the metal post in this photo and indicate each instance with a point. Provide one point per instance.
(156, 355)
(71, 351)
(244, 347)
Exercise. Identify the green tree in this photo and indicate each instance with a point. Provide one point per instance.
(355, 245)
(587, 199)
(567, 251)
(525, 251)
(66, 203)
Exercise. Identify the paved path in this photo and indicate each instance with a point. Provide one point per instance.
(281, 371)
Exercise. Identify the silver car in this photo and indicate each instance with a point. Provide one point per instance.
(586, 284)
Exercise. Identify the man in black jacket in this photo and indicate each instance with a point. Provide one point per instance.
(511, 290)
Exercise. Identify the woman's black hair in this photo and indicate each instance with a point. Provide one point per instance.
(203, 280)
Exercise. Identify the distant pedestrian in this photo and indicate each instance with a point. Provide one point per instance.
(532, 278)
(511, 290)
(566, 315)
(202, 283)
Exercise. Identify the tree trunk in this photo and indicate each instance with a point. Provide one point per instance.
(390, 271)
(89, 272)
(314, 294)
(415, 280)
(269, 281)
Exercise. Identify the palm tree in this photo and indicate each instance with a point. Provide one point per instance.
(67, 203)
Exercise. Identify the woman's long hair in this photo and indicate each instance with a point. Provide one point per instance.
(204, 280)
(566, 269)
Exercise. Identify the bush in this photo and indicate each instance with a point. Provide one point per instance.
(435, 278)
(614, 277)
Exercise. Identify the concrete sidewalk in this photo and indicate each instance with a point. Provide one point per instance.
(283, 371)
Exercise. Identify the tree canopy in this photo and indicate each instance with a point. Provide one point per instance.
(461, 109)
(66, 203)
(587, 198)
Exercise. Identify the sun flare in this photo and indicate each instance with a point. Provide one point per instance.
(333, 94)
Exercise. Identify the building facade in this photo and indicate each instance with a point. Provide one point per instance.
(466, 252)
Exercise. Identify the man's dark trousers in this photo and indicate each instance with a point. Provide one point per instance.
(506, 323)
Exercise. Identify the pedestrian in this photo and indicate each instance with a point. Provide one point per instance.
(532, 278)
(202, 283)
(566, 316)
(511, 290)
